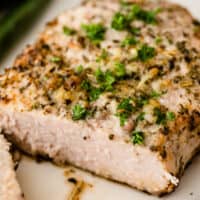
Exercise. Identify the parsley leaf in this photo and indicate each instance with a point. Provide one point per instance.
(160, 116)
(170, 116)
(93, 92)
(95, 32)
(124, 110)
(78, 112)
(103, 56)
(122, 117)
(134, 31)
(141, 100)
(148, 17)
(146, 52)
(119, 22)
(105, 79)
(55, 59)
(68, 31)
(79, 69)
(125, 105)
(155, 94)
(120, 70)
(140, 117)
(129, 41)
(163, 117)
(137, 137)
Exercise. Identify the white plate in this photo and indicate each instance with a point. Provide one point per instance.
(45, 181)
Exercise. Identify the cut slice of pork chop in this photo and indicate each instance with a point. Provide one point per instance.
(112, 88)
(9, 187)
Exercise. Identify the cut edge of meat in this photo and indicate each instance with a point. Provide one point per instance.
(32, 132)
(9, 187)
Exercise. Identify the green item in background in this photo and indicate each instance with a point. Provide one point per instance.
(15, 21)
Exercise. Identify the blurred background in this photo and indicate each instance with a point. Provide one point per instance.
(16, 16)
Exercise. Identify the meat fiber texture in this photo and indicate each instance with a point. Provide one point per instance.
(112, 88)
(9, 187)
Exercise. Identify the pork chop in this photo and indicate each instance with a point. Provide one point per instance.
(111, 87)
(9, 187)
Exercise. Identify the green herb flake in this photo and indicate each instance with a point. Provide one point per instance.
(124, 110)
(94, 93)
(79, 69)
(134, 12)
(122, 117)
(68, 31)
(78, 112)
(119, 22)
(103, 56)
(129, 41)
(55, 59)
(170, 116)
(86, 85)
(134, 31)
(155, 94)
(140, 117)
(146, 52)
(125, 105)
(120, 70)
(95, 32)
(158, 40)
(160, 116)
(105, 79)
(141, 100)
(163, 117)
(149, 17)
(137, 137)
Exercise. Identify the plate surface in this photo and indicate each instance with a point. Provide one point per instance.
(44, 181)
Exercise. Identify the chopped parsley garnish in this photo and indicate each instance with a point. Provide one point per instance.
(158, 40)
(134, 31)
(86, 85)
(93, 92)
(123, 116)
(119, 22)
(146, 52)
(155, 94)
(140, 117)
(95, 32)
(129, 41)
(134, 12)
(125, 105)
(68, 31)
(162, 117)
(170, 116)
(120, 70)
(141, 100)
(55, 59)
(79, 69)
(124, 110)
(103, 56)
(148, 17)
(78, 112)
(137, 137)
(105, 79)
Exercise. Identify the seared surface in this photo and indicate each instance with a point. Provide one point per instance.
(127, 73)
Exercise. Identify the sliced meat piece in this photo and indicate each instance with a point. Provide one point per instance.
(112, 88)
(9, 187)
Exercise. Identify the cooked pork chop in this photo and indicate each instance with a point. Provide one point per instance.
(9, 188)
(111, 87)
